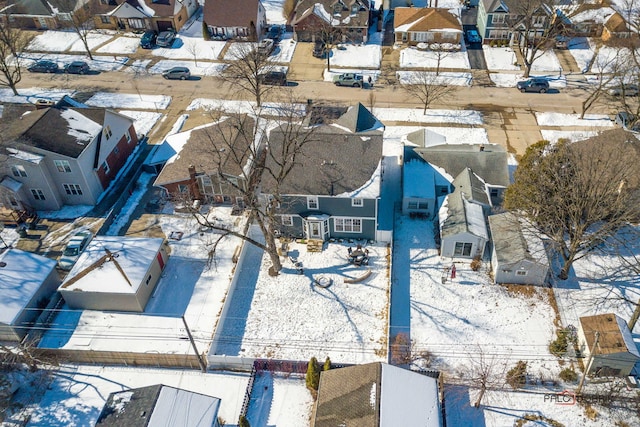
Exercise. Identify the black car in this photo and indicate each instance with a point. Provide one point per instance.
(276, 78)
(76, 67)
(43, 67)
(533, 85)
(274, 33)
(319, 49)
(148, 39)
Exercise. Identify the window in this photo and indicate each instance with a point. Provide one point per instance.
(72, 189)
(497, 19)
(62, 165)
(148, 280)
(493, 192)
(462, 249)
(312, 203)
(521, 273)
(37, 194)
(357, 203)
(105, 166)
(423, 206)
(287, 220)
(538, 20)
(64, 16)
(18, 171)
(107, 132)
(116, 150)
(105, 19)
(347, 225)
(444, 190)
(128, 136)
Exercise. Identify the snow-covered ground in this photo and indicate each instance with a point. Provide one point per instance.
(412, 57)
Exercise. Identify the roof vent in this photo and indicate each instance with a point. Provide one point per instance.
(609, 319)
(3, 264)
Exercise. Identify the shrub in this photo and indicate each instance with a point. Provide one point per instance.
(517, 376)
(312, 379)
(206, 35)
(568, 375)
(476, 263)
(243, 422)
(492, 43)
(327, 364)
(558, 347)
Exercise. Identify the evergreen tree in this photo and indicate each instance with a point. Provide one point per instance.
(327, 364)
(313, 374)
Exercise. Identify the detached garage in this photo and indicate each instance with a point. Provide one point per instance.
(115, 273)
(27, 281)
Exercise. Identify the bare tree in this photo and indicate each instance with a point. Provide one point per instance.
(428, 88)
(535, 27)
(12, 43)
(578, 194)
(610, 71)
(192, 47)
(253, 148)
(77, 19)
(245, 69)
(485, 372)
(440, 52)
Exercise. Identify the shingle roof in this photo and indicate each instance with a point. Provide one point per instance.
(424, 19)
(469, 183)
(461, 213)
(231, 13)
(211, 148)
(335, 160)
(325, 10)
(131, 408)
(616, 24)
(509, 240)
(615, 336)
(65, 131)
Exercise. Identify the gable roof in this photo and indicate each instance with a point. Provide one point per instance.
(358, 118)
(335, 160)
(488, 161)
(418, 180)
(157, 405)
(213, 148)
(376, 395)
(324, 9)
(615, 336)
(425, 19)
(132, 9)
(65, 131)
(472, 186)
(512, 244)
(231, 13)
(511, 6)
(460, 214)
(616, 24)
(21, 275)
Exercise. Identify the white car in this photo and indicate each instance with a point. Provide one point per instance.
(74, 248)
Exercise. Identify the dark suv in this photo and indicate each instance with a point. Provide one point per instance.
(148, 39)
(77, 67)
(277, 78)
(43, 66)
(533, 85)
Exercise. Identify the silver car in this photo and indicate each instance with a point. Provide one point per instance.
(74, 248)
(177, 73)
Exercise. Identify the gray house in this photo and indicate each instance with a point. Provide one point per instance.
(27, 281)
(501, 20)
(159, 405)
(518, 254)
(333, 189)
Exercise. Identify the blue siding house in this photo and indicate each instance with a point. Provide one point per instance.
(333, 189)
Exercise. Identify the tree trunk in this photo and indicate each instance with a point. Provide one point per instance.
(12, 85)
(483, 389)
(634, 317)
(272, 251)
(564, 272)
(424, 110)
(86, 46)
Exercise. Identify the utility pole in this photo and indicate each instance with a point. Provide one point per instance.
(203, 366)
(589, 362)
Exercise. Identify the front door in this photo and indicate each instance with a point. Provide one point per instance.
(314, 230)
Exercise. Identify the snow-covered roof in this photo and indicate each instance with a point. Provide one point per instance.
(133, 255)
(79, 126)
(418, 180)
(21, 275)
(514, 242)
(25, 155)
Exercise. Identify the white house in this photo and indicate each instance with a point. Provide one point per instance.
(115, 273)
(616, 352)
(518, 254)
(27, 281)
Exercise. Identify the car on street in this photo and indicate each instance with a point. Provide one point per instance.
(533, 85)
(276, 78)
(148, 39)
(77, 67)
(627, 121)
(165, 39)
(43, 67)
(76, 245)
(177, 73)
(624, 89)
(473, 36)
(349, 79)
(266, 46)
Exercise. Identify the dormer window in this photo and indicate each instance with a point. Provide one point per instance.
(337, 9)
(354, 9)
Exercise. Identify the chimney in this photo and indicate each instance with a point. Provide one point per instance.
(193, 184)
(482, 147)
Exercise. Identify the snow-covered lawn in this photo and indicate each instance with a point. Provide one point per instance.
(280, 401)
(274, 9)
(201, 69)
(413, 58)
(186, 47)
(442, 78)
(555, 135)
(469, 117)
(453, 320)
(129, 100)
(547, 62)
(291, 317)
(500, 58)
(558, 119)
(510, 80)
(124, 45)
(93, 40)
(53, 41)
(284, 49)
(582, 50)
(352, 55)
(241, 107)
(29, 95)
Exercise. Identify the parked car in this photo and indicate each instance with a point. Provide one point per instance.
(76, 245)
(319, 49)
(277, 78)
(266, 46)
(274, 33)
(533, 85)
(624, 89)
(349, 79)
(41, 103)
(473, 36)
(177, 73)
(165, 39)
(148, 40)
(43, 67)
(77, 67)
(627, 121)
